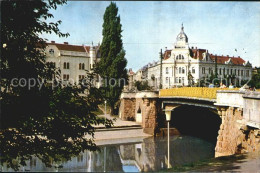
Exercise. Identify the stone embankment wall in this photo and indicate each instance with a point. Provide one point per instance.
(238, 133)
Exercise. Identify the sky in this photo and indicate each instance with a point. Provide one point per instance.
(148, 26)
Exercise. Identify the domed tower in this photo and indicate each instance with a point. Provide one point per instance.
(181, 40)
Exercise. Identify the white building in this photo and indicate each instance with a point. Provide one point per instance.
(72, 60)
(178, 62)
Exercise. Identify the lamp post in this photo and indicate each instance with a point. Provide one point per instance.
(105, 107)
(168, 119)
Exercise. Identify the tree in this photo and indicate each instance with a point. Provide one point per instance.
(255, 81)
(37, 119)
(142, 85)
(112, 66)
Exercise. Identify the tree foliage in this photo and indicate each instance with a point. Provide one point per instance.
(112, 66)
(50, 123)
(142, 85)
(255, 81)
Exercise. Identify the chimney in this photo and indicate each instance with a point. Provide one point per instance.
(165, 48)
(238, 56)
(196, 47)
(192, 47)
(227, 55)
(52, 41)
(66, 43)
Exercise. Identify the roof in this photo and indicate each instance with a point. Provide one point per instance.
(222, 59)
(69, 47)
(166, 54)
(197, 54)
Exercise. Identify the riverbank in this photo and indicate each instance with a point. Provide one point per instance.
(249, 162)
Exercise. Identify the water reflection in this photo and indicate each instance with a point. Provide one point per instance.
(149, 155)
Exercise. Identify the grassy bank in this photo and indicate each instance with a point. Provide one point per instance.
(214, 164)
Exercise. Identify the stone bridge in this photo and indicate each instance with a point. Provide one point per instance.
(238, 111)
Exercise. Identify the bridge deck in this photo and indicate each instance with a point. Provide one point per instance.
(193, 92)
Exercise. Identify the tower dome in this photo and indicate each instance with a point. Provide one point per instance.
(181, 40)
(182, 36)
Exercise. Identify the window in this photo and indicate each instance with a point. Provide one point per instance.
(66, 77)
(81, 66)
(247, 73)
(242, 73)
(51, 51)
(235, 71)
(182, 56)
(81, 77)
(182, 79)
(231, 71)
(66, 65)
(224, 71)
(183, 71)
(210, 71)
(193, 70)
(203, 70)
(167, 79)
(227, 71)
(179, 70)
(220, 71)
(52, 64)
(179, 79)
(238, 72)
(176, 80)
(167, 70)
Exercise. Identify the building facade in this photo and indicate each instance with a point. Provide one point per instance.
(183, 66)
(72, 60)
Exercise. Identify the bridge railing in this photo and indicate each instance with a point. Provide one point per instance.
(197, 92)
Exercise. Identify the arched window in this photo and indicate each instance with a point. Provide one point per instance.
(179, 70)
(80, 66)
(182, 56)
(83, 66)
(224, 71)
(183, 71)
(64, 65)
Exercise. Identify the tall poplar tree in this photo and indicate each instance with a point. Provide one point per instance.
(112, 66)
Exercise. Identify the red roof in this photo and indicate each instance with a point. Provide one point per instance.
(68, 47)
(166, 54)
(222, 59)
(87, 48)
(197, 54)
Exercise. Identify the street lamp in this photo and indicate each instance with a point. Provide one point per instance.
(105, 107)
(168, 119)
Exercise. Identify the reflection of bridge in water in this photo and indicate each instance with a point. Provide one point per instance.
(149, 155)
(238, 113)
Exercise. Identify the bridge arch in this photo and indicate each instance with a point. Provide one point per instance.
(196, 121)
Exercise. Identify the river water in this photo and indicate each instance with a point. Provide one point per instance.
(149, 154)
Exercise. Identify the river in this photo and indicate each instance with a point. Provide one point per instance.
(148, 154)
